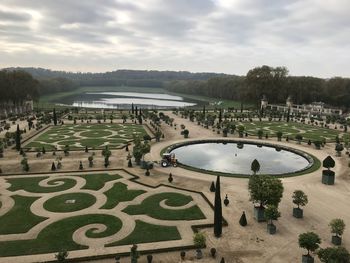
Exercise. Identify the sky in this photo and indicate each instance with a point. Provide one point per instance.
(309, 37)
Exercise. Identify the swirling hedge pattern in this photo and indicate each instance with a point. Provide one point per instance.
(46, 214)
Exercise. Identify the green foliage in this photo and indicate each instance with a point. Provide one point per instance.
(61, 256)
(328, 162)
(265, 189)
(217, 209)
(255, 166)
(271, 213)
(199, 240)
(134, 254)
(243, 220)
(310, 241)
(337, 226)
(334, 255)
(299, 198)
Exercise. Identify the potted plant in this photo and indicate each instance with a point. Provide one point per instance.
(264, 190)
(279, 135)
(199, 241)
(328, 176)
(310, 241)
(271, 213)
(300, 199)
(337, 228)
(334, 254)
(299, 138)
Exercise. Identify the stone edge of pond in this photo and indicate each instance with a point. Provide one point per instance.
(314, 162)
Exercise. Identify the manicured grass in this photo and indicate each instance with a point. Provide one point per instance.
(79, 136)
(61, 204)
(19, 219)
(291, 129)
(58, 236)
(31, 184)
(151, 207)
(97, 181)
(147, 233)
(119, 193)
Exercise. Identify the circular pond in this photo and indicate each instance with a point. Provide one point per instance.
(236, 157)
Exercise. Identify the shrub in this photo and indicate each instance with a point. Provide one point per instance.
(199, 240)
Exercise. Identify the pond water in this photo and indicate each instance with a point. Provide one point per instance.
(122, 100)
(227, 157)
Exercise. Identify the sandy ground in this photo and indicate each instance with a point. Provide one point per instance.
(238, 244)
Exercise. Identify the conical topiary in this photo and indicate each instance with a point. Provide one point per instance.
(81, 166)
(53, 166)
(147, 173)
(243, 220)
(217, 210)
(129, 163)
(222, 260)
(212, 187)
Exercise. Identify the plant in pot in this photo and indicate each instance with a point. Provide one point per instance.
(328, 176)
(299, 138)
(300, 199)
(339, 148)
(310, 241)
(240, 129)
(260, 133)
(334, 255)
(337, 228)
(271, 213)
(199, 241)
(264, 190)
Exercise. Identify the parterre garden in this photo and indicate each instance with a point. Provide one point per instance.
(291, 129)
(78, 136)
(50, 213)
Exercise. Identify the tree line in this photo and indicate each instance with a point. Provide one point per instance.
(274, 83)
(17, 86)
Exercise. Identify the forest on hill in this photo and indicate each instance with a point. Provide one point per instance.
(275, 83)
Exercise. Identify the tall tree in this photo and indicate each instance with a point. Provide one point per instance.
(217, 210)
(18, 138)
(54, 117)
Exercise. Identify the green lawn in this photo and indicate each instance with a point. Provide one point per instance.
(57, 236)
(79, 136)
(291, 129)
(151, 207)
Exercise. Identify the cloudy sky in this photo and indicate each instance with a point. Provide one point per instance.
(310, 37)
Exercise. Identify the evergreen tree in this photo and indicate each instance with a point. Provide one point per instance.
(217, 210)
(220, 116)
(129, 163)
(54, 117)
(243, 219)
(132, 108)
(134, 254)
(222, 260)
(18, 138)
(86, 149)
(53, 166)
(212, 187)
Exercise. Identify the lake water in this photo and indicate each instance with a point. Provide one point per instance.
(122, 100)
(228, 158)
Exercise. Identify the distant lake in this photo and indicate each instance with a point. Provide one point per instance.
(121, 100)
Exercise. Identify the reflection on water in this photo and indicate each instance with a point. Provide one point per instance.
(228, 158)
(120, 100)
